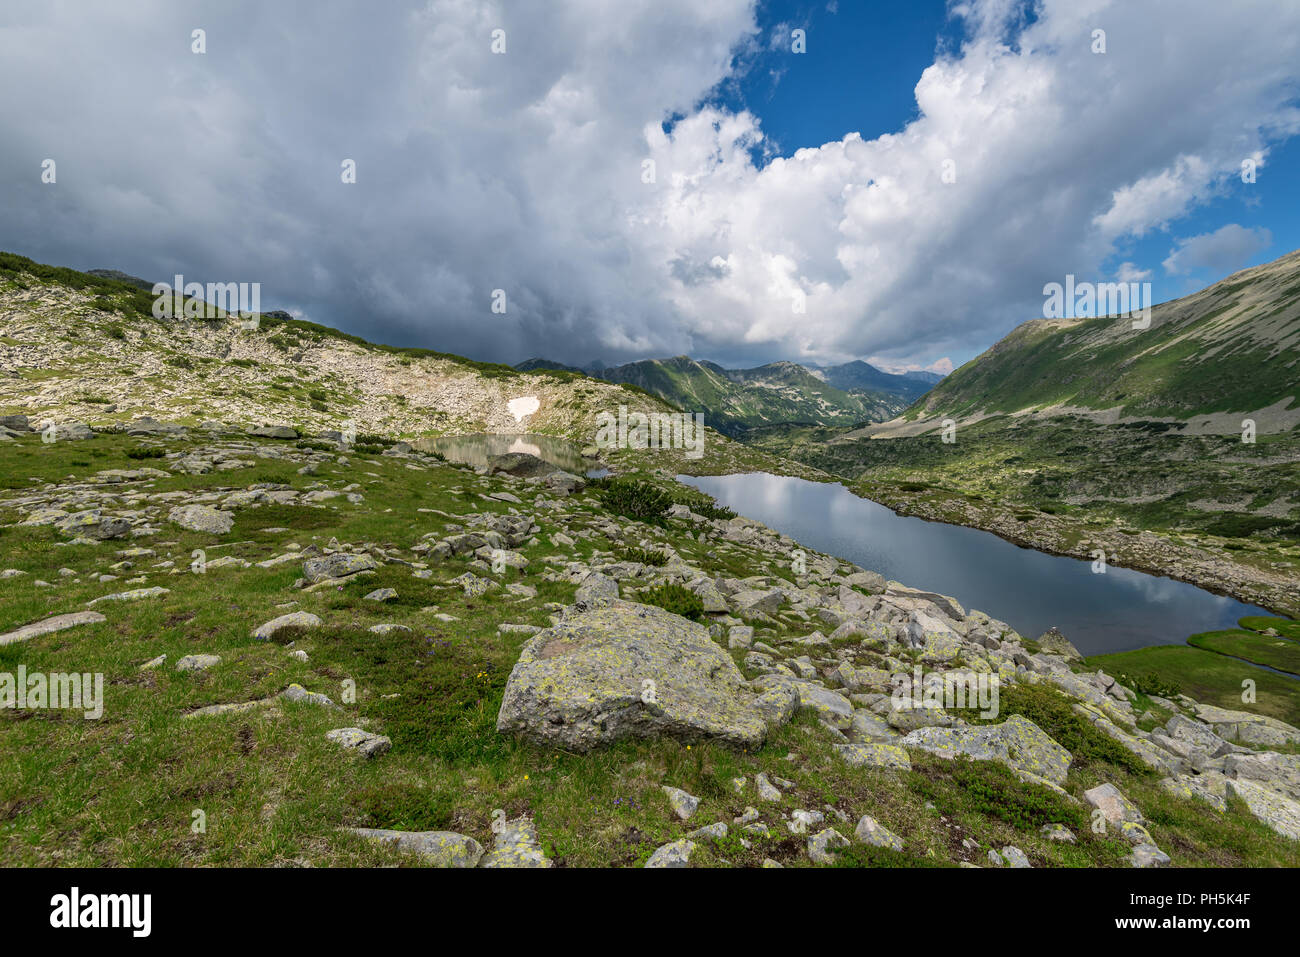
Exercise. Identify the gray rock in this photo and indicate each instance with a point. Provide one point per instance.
(1114, 806)
(684, 805)
(135, 594)
(202, 518)
(1017, 742)
(146, 425)
(595, 588)
(870, 831)
(1052, 642)
(439, 848)
(563, 483)
(92, 523)
(823, 845)
(297, 692)
(365, 743)
(832, 707)
(676, 854)
(1015, 857)
(338, 565)
(1148, 855)
(714, 832)
(472, 585)
(752, 603)
(48, 626)
(1276, 810)
(295, 619)
(740, 636)
(516, 845)
(1058, 833)
(626, 670)
(777, 705)
(874, 756)
(521, 465)
(273, 432)
(766, 790)
(71, 432)
(198, 662)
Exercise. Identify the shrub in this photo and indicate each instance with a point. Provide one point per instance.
(404, 807)
(635, 499)
(146, 452)
(712, 510)
(994, 791)
(677, 599)
(1151, 683)
(645, 556)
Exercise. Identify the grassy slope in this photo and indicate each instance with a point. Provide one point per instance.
(1208, 677)
(122, 790)
(1232, 347)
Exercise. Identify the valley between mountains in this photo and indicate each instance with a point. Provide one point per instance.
(324, 644)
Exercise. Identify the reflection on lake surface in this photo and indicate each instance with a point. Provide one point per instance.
(479, 448)
(1030, 590)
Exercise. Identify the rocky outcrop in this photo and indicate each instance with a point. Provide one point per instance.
(1017, 742)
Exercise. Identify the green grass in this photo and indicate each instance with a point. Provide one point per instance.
(122, 791)
(1280, 653)
(1283, 626)
(1210, 678)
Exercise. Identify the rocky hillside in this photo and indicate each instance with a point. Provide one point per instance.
(86, 348)
(315, 655)
(1229, 351)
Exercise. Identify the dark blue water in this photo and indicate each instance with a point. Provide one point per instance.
(1032, 591)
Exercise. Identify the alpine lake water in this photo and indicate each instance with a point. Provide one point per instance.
(1115, 610)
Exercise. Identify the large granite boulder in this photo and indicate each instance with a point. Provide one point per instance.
(1276, 810)
(1017, 742)
(1246, 727)
(522, 465)
(337, 565)
(626, 670)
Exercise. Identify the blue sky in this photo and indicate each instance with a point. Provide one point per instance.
(870, 56)
(901, 192)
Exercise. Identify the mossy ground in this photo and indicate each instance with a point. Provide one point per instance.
(123, 790)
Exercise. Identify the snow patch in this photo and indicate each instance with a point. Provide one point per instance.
(524, 406)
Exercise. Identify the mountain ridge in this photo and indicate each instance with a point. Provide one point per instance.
(1231, 348)
(777, 393)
